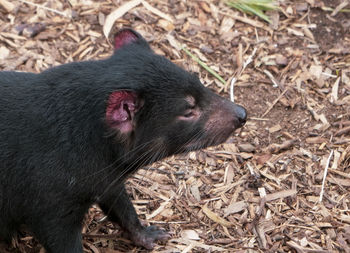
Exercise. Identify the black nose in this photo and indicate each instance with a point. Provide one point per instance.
(241, 114)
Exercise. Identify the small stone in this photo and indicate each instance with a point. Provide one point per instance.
(246, 156)
(4, 53)
(300, 7)
(246, 147)
(206, 49)
(281, 60)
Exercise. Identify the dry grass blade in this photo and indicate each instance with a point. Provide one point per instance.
(234, 79)
(339, 8)
(325, 175)
(274, 102)
(47, 8)
(157, 12)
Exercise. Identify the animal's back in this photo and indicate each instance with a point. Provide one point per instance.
(24, 148)
(14, 89)
(11, 100)
(40, 151)
(15, 105)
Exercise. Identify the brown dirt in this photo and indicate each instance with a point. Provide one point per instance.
(331, 32)
(217, 194)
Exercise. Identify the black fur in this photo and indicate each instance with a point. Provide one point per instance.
(58, 156)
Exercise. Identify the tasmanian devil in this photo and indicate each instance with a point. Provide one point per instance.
(71, 135)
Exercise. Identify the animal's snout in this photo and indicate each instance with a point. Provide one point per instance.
(226, 114)
(241, 114)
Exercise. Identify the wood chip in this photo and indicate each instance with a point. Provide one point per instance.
(214, 217)
(8, 6)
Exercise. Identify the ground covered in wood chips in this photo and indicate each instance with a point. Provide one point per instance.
(263, 190)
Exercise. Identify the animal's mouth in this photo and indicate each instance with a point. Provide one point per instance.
(208, 140)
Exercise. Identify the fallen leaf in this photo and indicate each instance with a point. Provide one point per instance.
(190, 234)
(117, 13)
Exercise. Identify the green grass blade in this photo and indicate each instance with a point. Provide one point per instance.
(205, 66)
(256, 11)
(255, 7)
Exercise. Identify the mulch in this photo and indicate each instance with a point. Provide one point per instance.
(281, 183)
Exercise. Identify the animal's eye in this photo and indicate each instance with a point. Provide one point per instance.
(191, 113)
(188, 113)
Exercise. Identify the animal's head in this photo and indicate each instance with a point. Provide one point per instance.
(161, 109)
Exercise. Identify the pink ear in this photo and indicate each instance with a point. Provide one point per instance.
(124, 37)
(121, 109)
